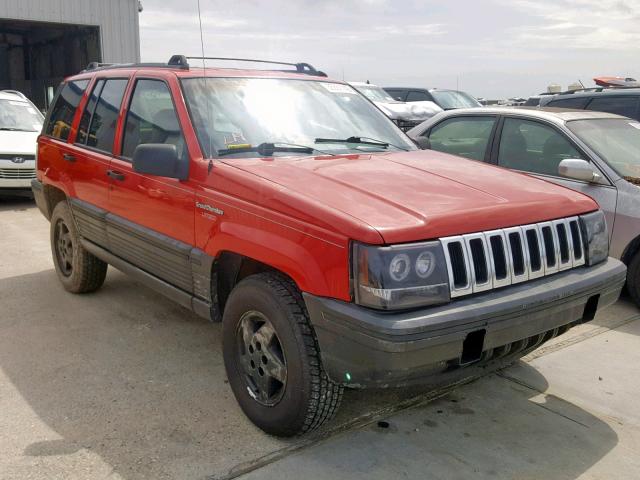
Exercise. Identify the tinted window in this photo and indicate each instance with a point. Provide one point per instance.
(418, 97)
(397, 94)
(578, 102)
(467, 137)
(88, 112)
(64, 108)
(627, 105)
(533, 147)
(105, 117)
(152, 118)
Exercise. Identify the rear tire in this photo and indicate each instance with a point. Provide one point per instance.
(289, 393)
(633, 279)
(78, 270)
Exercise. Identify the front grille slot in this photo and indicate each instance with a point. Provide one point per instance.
(549, 246)
(499, 257)
(563, 242)
(576, 239)
(487, 260)
(534, 250)
(456, 254)
(479, 261)
(517, 256)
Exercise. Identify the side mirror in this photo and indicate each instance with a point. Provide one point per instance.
(159, 159)
(578, 169)
(423, 143)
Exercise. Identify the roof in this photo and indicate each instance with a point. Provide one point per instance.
(362, 84)
(558, 115)
(595, 93)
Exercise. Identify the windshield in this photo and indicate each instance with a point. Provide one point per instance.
(21, 116)
(375, 94)
(449, 99)
(245, 112)
(616, 141)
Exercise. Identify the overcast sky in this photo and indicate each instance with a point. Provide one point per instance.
(492, 48)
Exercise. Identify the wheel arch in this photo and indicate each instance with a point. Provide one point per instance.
(630, 250)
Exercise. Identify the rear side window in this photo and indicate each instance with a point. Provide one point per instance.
(152, 119)
(415, 96)
(101, 114)
(88, 112)
(626, 105)
(578, 102)
(463, 136)
(64, 109)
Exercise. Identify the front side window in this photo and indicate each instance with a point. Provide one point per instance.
(64, 108)
(152, 119)
(104, 119)
(233, 113)
(464, 136)
(396, 93)
(616, 141)
(19, 116)
(625, 105)
(533, 147)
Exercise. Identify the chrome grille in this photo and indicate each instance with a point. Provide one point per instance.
(17, 173)
(482, 261)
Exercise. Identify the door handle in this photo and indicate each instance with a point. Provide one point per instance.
(116, 175)
(68, 157)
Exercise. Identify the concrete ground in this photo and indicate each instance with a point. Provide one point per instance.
(124, 384)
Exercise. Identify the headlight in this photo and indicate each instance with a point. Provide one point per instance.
(400, 276)
(594, 229)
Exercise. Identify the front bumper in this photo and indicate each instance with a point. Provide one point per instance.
(362, 347)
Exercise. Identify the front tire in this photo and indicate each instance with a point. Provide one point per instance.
(633, 279)
(272, 358)
(78, 270)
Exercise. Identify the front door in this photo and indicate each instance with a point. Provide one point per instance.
(538, 148)
(152, 218)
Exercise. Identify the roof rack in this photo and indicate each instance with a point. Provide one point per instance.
(300, 67)
(598, 89)
(182, 62)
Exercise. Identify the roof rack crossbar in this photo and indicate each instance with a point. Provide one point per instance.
(301, 67)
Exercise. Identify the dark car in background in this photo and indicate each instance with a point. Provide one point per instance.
(625, 102)
(596, 153)
(445, 99)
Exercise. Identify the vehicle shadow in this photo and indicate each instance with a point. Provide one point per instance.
(124, 381)
(16, 202)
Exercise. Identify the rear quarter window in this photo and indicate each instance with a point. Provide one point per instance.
(578, 103)
(625, 105)
(64, 108)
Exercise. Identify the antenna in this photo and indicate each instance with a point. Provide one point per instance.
(204, 81)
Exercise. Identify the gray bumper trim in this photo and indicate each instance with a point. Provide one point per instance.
(384, 348)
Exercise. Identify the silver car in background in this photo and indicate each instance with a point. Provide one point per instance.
(593, 152)
(405, 115)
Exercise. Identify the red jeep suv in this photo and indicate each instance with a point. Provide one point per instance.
(287, 206)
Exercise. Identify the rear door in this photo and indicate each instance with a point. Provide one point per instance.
(152, 221)
(538, 148)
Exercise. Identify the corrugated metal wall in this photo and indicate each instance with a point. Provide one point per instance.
(117, 19)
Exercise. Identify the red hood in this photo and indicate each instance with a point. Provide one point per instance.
(420, 195)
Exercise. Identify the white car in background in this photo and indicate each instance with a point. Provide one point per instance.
(405, 115)
(20, 125)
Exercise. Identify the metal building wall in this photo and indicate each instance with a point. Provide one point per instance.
(117, 19)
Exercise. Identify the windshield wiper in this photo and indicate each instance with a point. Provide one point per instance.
(266, 149)
(361, 141)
